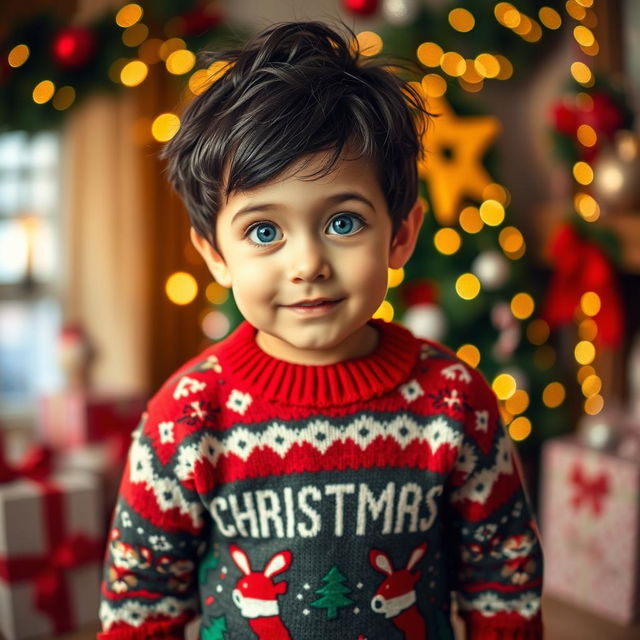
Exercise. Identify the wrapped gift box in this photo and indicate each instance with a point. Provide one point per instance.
(74, 418)
(51, 549)
(105, 460)
(590, 528)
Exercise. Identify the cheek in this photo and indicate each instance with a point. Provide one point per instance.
(252, 284)
(369, 273)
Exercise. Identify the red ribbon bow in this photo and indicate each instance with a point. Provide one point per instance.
(35, 465)
(52, 597)
(588, 491)
(581, 266)
(63, 551)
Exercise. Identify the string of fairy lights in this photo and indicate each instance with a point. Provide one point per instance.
(586, 206)
(471, 74)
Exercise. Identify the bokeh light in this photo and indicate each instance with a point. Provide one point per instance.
(215, 325)
(553, 395)
(492, 212)
(394, 277)
(181, 288)
(518, 402)
(447, 241)
(590, 303)
(216, 293)
(384, 311)
(135, 35)
(586, 135)
(583, 173)
(585, 352)
(522, 306)
(520, 428)
(538, 331)
(43, 91)
(470, 354)
(594, 404)
(470, 220)
(581, 73)
(370, 43)
(165, 126)
(134, 73)
(18, 55)
(461, 20)
(550, 18)
(434, 85)
(429, 54)
(128, 15)
(64, 98)
(504, 386)
(180, 61)
(453, 64)
(588, 329)
(591, 385)
(468, 286)
(511, 240)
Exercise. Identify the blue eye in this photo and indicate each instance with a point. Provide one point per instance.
(263, 233)
(346, 223)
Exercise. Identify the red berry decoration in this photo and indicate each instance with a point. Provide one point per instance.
(361, 7)
(73, 47)
(200, 21)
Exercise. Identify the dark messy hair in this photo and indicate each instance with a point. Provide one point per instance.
(295, 89)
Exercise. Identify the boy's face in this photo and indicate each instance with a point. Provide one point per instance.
(307, 240)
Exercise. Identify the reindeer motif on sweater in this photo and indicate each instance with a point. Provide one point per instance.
(256, 595)
(395, 598)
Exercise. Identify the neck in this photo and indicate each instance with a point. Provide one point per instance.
(361, 343)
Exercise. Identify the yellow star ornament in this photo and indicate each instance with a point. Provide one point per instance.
(452, 165)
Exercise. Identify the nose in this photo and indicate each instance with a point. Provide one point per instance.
(309, 261)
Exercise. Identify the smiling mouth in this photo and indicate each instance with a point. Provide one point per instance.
(316, 303)
(314, 307)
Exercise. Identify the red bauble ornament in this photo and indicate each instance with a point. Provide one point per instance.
(419, 291)
(564, 118)
(361, 7)
(199, 21)
(73, 47)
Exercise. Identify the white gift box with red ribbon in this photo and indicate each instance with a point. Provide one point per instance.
(51, 551)
(590, 517)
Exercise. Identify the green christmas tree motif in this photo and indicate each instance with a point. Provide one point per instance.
(333, 593)
(216, 630)
(208, 563)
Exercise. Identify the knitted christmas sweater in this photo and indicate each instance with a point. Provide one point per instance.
(351, 500)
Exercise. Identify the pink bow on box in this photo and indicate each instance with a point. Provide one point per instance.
(589, 491)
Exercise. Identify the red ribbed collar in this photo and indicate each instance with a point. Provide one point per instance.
(341, 383)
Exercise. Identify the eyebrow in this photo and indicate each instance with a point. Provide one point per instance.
(334, 199)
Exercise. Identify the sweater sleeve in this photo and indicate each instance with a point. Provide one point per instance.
(149, 584)
(497, 572)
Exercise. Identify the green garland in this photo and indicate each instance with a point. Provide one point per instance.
(487, 35)
(103, 45)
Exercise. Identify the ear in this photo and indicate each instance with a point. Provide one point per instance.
(240, 558)
(416, 555)
(380, 561)
(213, 259)
(404, 242)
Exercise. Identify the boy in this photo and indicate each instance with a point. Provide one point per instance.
(317, 474)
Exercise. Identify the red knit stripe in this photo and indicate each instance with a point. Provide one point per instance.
(305, 458)
(335, 384)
